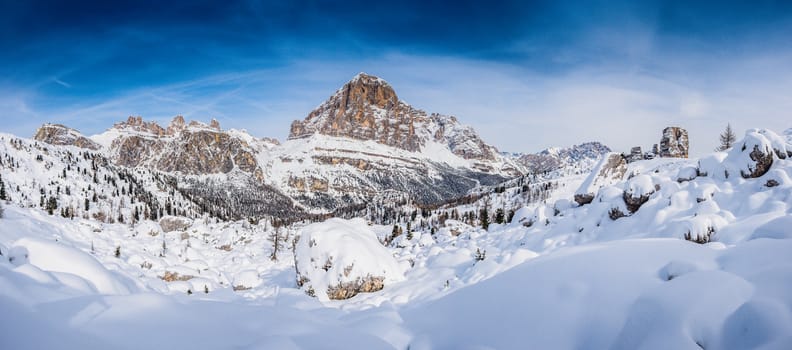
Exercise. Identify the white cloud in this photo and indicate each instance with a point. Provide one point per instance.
(514, 108)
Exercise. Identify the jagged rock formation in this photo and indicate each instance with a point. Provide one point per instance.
(364, 141)
(56, 134)
(636, 154)
(194, 149)
(674, 143)
(367, 108)
(363, 145)
(555, 158)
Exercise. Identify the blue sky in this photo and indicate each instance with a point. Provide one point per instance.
(526, 74)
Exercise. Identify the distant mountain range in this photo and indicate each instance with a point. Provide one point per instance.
(361, 145)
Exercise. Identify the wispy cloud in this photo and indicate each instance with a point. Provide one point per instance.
(61, 82)
(527, 75)
(515, 108)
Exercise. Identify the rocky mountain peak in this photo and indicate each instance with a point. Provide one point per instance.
(368, 89)
(137, 124)
(365, 108)
(176, 125)
(57, 134)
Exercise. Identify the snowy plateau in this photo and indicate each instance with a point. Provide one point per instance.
(148, 237)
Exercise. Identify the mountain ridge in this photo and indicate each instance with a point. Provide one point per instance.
(358, 144)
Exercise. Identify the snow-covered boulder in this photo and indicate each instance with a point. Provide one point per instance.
(337, 259)
(609, 170)
(247, 279)
(687, 173)
(174, 223)
(712, 166)
(638, 190)
(752, 157)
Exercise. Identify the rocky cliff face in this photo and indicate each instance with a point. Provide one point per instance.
(674, 143)
(363, 142)
(367, 108)
(361, 145)
(192, 149)
(555, 158)
(56, 134)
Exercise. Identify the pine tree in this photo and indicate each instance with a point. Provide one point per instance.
(3, 195)
(499, 216)
(727, 139)
(52, 204)
(510, 217)
(484, 218)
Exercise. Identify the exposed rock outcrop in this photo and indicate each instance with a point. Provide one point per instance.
(174, 223)
(193, 149)
(674, 143)
(609, 170)
(56, 134)
(555, 158)
(367, 108)
(347, 290)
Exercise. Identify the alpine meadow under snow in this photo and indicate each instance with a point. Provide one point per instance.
(380, 226)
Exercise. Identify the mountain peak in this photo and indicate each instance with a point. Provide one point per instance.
(368, 78)
(365, 89)
(365, 108)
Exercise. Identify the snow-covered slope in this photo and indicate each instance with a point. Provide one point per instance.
(669, 253)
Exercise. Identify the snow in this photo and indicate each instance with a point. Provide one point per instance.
(640, 185)
(56, 257)
(600, 176)
(575, 278)
(340, 251)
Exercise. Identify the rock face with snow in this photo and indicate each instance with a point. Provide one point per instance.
(367, 108)
(337, 259)
(194, 149)
(362, 145)
(674, 143)
(555, 158)
(56, 134)
(610, 169)
(753, 156)
(638, 191)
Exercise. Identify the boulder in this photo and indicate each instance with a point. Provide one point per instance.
(337, 259)
(674, 143)
(174, 223)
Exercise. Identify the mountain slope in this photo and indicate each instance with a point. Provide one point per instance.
(697, 258)
(361, 145)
